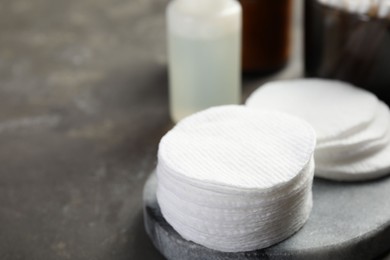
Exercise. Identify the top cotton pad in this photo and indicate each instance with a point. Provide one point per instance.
(334, 108)
(265, 148)
(236, 179)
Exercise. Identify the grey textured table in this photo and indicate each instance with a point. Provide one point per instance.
(83, 104)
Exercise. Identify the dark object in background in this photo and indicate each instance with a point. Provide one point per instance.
(349, 47)
(266, 35)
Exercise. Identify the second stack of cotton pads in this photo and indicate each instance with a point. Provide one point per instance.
(236, 179)
(352, 125)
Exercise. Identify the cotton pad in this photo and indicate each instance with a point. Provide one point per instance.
(374, 137)
(220, 139)
(333, 108)
(236, 179)
(364, 167)
(352, 125)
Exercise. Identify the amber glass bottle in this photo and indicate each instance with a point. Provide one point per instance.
(266, 34)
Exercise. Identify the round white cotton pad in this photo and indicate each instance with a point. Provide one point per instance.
(238, 147)
(236, 179)
(365, 167)
(374, 137)
(352, 125)
(335, 109)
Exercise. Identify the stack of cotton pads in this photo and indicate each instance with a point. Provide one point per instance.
(236, 179)
(352, 125)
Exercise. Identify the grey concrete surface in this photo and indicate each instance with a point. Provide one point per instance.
(83, 104)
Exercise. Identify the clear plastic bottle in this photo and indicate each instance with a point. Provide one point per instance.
(204, 43)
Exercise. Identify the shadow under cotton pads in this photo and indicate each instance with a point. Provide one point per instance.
(235, 179)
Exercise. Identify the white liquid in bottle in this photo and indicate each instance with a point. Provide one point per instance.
(204, 39)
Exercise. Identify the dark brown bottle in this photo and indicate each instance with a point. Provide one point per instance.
(266, 35)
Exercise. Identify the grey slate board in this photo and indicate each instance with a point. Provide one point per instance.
(348, 221)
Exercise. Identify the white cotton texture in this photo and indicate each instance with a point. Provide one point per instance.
(375, 137)
(352, 125)
(334, 108)
(376, 8)
(368, 166)
(236, 179)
